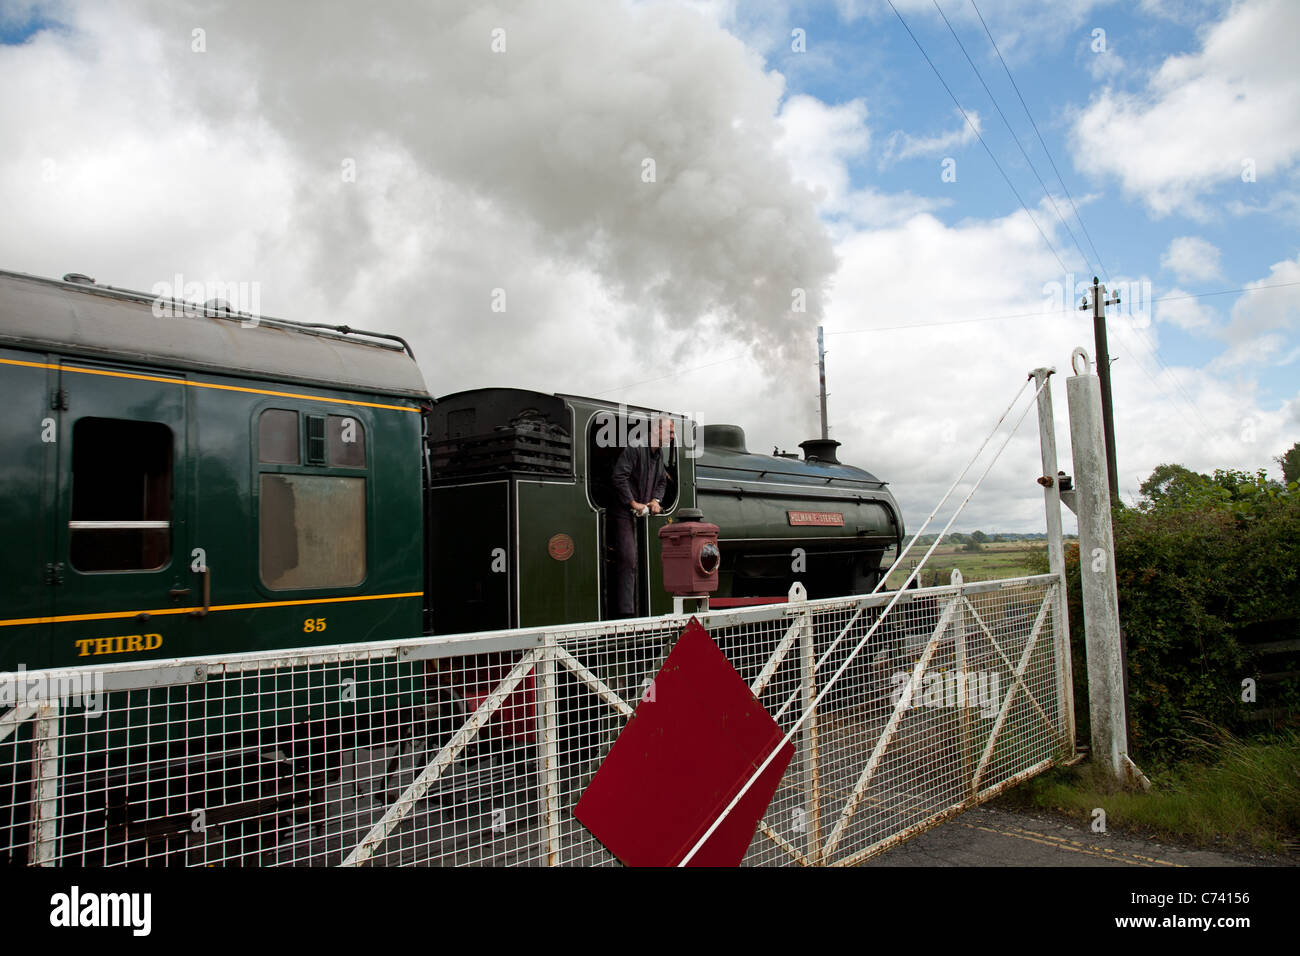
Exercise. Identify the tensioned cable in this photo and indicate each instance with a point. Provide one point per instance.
(862, 643)
(1155, 352)
(953, 486)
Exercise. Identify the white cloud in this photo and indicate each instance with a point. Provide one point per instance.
(901, 145)
(1192, 259)
(1260, 331)
(1259, 351)
(819, 140)
(1105, 66)
(1293, 411)
(1102, 62)
(1269, 309)
(1202, 115)
(1188, 314)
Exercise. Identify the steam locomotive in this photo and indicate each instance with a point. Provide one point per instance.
(182, 480)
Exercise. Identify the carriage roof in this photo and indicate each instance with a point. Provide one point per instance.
(97, 321)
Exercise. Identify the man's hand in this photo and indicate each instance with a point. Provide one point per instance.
(655, 507)
(637, 507)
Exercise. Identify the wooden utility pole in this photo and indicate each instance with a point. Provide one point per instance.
(1098, 307)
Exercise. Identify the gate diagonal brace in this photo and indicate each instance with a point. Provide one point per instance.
(790, 635)
(407, 801)
(592, 682)
(783, 843)
(13, 717)
(1038, 624)
(774, 662)
(904, 700)
(1018, 683)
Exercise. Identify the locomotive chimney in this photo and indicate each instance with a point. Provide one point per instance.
(820, 449)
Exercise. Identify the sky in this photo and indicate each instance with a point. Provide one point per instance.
(659, 202)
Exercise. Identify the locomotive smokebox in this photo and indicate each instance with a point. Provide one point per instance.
(690, 554)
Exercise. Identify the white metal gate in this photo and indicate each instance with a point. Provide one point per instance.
(474, 749)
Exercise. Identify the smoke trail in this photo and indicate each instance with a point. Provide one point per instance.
(633, 141)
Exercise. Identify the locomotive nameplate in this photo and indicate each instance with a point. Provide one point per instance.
(822, 519)
(560, 547)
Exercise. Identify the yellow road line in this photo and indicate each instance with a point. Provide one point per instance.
(1073, 846)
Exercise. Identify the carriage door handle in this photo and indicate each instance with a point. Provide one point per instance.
(207, 594)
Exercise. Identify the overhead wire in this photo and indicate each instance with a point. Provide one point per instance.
(1068, 311)
(1006, 122)
(975, 130)
(1042, 142)
(966, 321)
(1150, 344)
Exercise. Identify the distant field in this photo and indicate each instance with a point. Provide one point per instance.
(1003, 559)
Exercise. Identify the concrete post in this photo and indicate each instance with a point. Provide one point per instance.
(1106, 703)
(1055, 552)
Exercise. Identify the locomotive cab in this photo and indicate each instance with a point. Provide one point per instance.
(519, 492)
(608, 433)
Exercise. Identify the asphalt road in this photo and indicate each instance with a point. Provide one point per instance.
(987, 836)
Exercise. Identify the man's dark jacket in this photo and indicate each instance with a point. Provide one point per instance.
(640, 475)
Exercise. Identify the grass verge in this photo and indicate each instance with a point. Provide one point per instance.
(1239, 795)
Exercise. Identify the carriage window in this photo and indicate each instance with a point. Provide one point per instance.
(312, 531)
(347, 442)
(277, 437)
(121, 515)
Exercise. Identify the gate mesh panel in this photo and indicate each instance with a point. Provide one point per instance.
(473, 750)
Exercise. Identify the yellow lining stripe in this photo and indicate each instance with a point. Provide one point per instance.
(224, 388)
(109, 615)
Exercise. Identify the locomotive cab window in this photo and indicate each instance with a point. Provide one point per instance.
(608, 434)
(121, 515)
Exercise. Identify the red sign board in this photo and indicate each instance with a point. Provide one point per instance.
(693, 742)
(825, 519)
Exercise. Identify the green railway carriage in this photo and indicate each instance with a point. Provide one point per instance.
(182, 484)
(181, 481)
